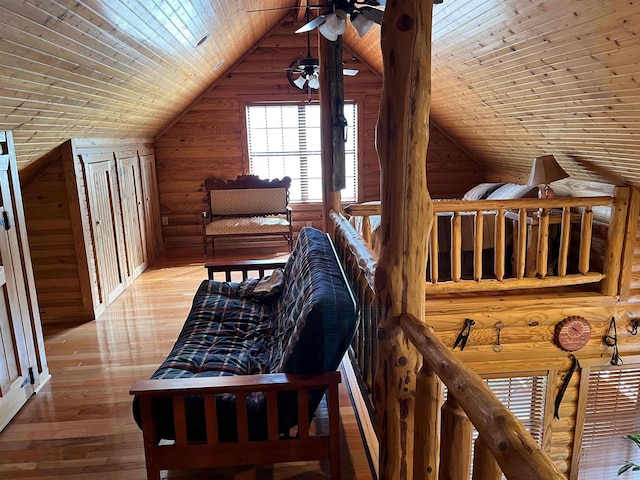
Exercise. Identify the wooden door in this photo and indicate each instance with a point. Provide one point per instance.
(106, 224)
(151, 203)
(131, 203)
(16, 383)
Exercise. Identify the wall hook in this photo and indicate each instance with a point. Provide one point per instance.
(497, 347)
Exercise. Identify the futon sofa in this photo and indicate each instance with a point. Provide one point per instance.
(250, 366)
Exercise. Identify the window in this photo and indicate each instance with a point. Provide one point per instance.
(525, 398)
(284, 140)
(612, 411)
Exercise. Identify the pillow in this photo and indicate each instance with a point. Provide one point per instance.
(263, 289)
(481, 191)
(513, 190)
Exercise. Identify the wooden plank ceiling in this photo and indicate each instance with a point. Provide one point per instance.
(511, 79)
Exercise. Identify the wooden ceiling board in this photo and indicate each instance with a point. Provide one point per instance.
(515, 79)
(125, 68)
(512, 79)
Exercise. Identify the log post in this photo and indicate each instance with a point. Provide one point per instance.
(485, 466)
(615, 242)
(427, 425)
(331, 131)
(407, 215)
(455, 451)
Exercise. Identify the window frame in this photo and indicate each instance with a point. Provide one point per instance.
(358, 99)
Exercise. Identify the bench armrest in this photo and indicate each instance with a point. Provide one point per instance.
(184, 454)
(244, 266)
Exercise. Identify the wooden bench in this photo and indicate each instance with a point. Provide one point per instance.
(246, 206)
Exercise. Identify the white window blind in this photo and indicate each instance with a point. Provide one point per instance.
(525, 398)
(284, 140)
(611, 412)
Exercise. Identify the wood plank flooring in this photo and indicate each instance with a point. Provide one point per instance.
(80, 425)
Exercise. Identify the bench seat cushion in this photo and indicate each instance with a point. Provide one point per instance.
(247, 225)
(224, 334)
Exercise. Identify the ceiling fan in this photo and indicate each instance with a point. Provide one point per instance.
(363, 14)
(304, 73)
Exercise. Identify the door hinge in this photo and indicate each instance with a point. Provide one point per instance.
(5, 220)
(29, 380)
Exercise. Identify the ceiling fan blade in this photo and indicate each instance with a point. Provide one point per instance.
(349, 72)
(372, 14)
(375, 3)
(311, 7)
(316, 22)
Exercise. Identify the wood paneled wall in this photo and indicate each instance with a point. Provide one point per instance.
(528, 348)
(53, 250)
(58, 222)
(208, 139)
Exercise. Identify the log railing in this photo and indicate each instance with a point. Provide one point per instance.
(442, 432)
(519, 245)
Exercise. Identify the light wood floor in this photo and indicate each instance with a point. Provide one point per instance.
(80, 426)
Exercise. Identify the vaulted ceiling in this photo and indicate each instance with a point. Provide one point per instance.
(512, 79)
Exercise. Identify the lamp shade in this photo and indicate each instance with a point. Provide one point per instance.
(545, 169)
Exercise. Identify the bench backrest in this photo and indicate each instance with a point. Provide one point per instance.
(247, 195)
(249, 201)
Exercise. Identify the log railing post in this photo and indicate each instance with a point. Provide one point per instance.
(615, 242)
(455, 449)
(427, 427)
(485, 466)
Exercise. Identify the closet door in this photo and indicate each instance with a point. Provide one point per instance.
(151, 203)
(131, 203)
(15, 381)
(106, 225)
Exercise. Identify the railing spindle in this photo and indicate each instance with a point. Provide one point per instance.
(521, 246)
(427, 425)
(455, 451)
(433, 252)
(478, 244)
(499, 253)
(456, 247)
(585, 241)
(565, 236)
(485, 466)
(543, 243)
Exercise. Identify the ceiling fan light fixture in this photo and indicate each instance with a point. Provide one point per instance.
(327, 33)
(300, 82)
(362, 25)
(314, 82)
(334, 25)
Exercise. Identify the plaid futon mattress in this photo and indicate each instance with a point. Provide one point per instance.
(224, 334)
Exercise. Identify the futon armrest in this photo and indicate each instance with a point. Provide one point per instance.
(266, 382)
(244, 266)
